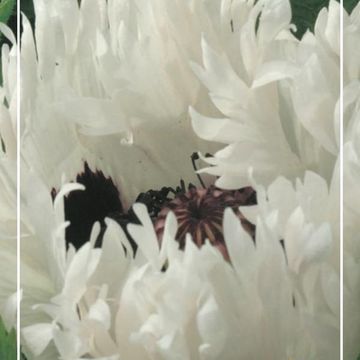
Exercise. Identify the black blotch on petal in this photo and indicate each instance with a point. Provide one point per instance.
(100, 200)
(83, 208)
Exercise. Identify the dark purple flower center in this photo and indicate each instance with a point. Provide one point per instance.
(200, 212)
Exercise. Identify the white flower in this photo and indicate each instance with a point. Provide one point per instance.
(111, 84)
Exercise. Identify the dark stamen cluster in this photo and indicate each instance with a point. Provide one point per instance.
(199, 212)
(155, 200)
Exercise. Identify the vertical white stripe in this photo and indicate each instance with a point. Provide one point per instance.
(341, 182)
(18, 214)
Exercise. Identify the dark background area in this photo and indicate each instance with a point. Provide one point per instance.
(8, 16)
(350, 4)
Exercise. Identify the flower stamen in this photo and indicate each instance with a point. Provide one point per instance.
(199, 211)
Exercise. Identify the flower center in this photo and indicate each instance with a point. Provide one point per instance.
(199, 212)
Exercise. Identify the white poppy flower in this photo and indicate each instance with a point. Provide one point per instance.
(106, 93)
